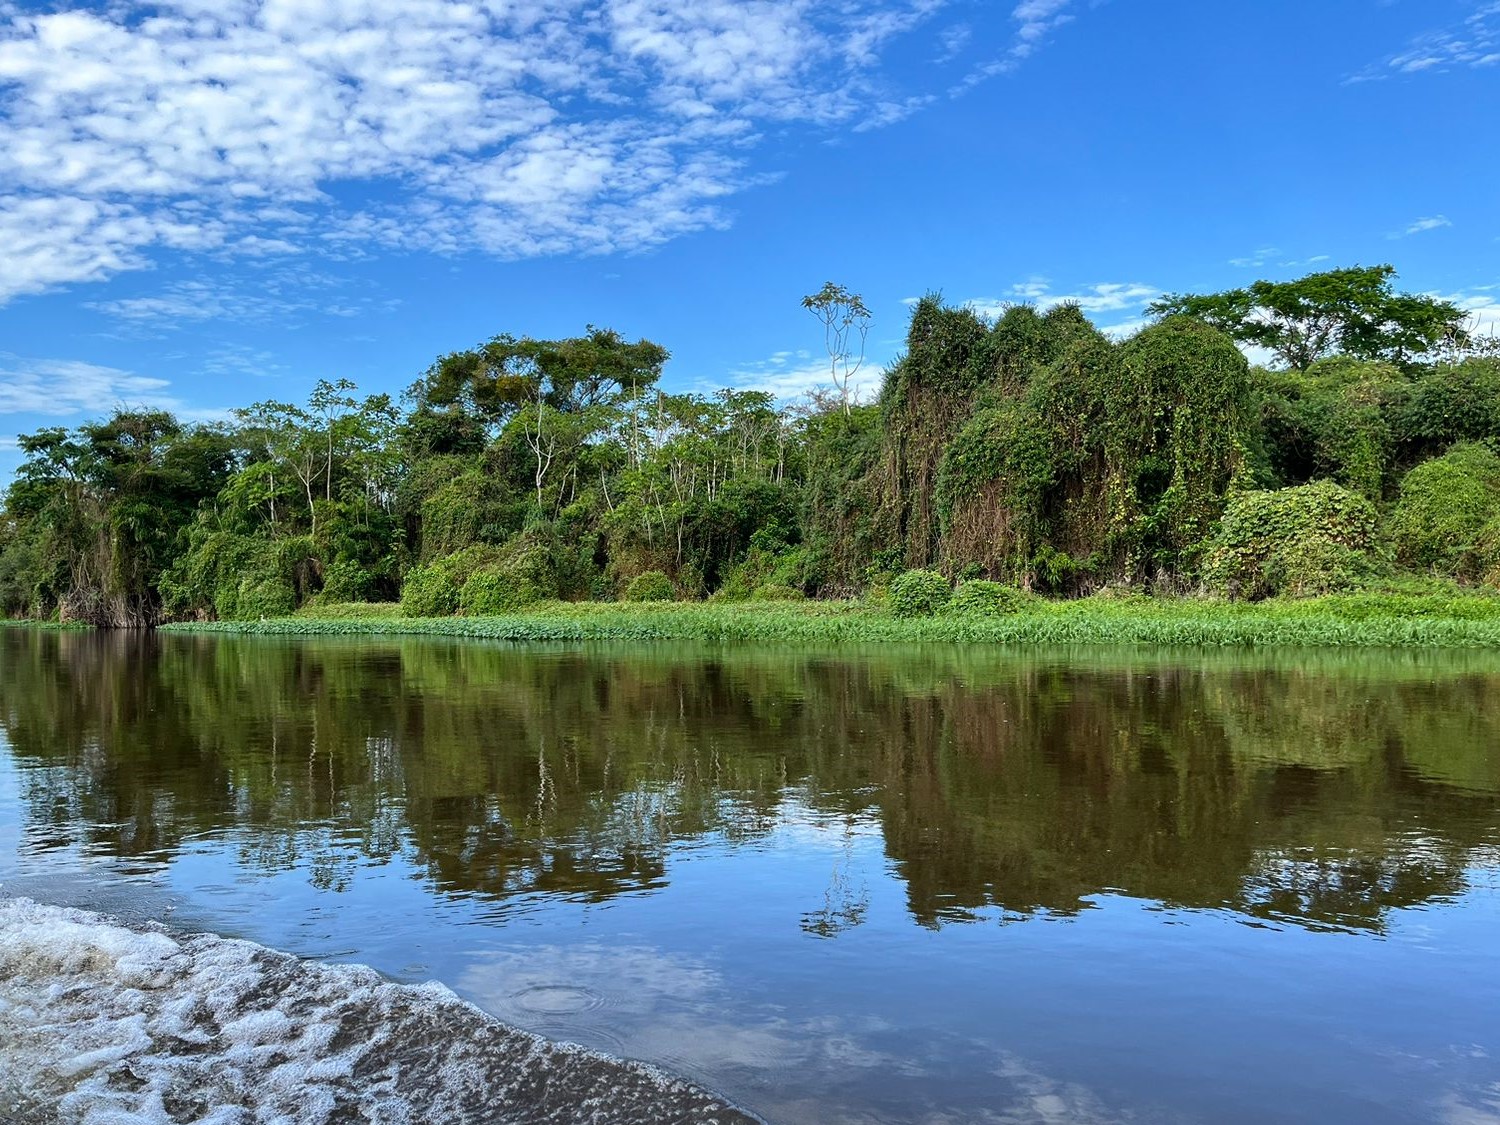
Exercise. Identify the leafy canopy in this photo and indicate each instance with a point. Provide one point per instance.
(1355, 311)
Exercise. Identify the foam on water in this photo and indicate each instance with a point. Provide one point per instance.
(104, 1024)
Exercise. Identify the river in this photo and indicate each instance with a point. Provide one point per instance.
(927, 884)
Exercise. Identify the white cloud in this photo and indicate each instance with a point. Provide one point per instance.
(238, 360)
(570, 126)
(792, 375)
(1098, 302)
(1268, 255)
(1473, 43)
(1482, 308)
(1256, 260)
(952, 41)
(284, 296)
(53, 240)
(67, 387)
(1434, 222)
(1034, 21)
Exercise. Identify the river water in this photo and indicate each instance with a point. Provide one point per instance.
(925, 884)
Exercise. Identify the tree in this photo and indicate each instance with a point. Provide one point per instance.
(561, 392)
(844, 319)
(1354, 311)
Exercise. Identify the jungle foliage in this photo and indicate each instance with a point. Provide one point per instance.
(1021, 455)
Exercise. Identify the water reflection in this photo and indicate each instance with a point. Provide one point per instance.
(1321, 790)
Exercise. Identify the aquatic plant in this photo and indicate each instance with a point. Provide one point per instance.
(1453, 620)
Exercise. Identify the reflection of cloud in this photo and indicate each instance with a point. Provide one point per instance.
(680, 1011)
(1474, 1107)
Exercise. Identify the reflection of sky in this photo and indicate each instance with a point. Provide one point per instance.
(1127, 1011)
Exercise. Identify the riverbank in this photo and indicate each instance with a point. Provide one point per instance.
(1358, 620)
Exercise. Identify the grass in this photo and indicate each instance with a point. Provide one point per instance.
(1353, 620)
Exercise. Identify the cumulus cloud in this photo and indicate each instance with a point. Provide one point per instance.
(246, 127)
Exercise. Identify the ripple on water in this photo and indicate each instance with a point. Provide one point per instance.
(556, 999)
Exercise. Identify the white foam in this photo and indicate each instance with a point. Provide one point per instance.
(106, 1024)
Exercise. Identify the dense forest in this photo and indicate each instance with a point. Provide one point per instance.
(1030, 450)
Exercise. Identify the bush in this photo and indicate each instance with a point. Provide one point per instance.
(1451, 403)
(1314, 539)
(495, 591)
(1443, 508)
(346, 581)
(428, 591)
(264, 596)
(776, 592)
(919, 593)
(1332, 421)
(522, 573)
(979, 598)
(767, 563)
(652, 586)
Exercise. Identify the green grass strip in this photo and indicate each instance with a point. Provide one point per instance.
(1367, 621)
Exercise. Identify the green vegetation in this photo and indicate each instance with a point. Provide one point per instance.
(919, 593)
(1025, 456)
(1352, 311)
(652, 586)
(981, 598)
(1443, 511)
(1424, 619)
(1313, 539)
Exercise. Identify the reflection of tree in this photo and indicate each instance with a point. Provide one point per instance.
(1283, 788)
(844, 903)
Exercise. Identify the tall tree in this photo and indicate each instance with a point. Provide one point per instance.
(846, 326)
(1355, 311)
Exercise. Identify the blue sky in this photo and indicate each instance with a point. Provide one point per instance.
(204, 203)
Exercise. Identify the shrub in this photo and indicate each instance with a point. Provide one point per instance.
(765, 564)
(264, 596)
(494, 591)
(521, 573)
(1450, 403)
(979, 598)
(346, 581)
(776, 592)
(1333, 421)
(1487, 552)
(919, 593)
(652, 586)
(1314, 539)
(428, 591)
(1443, 507)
